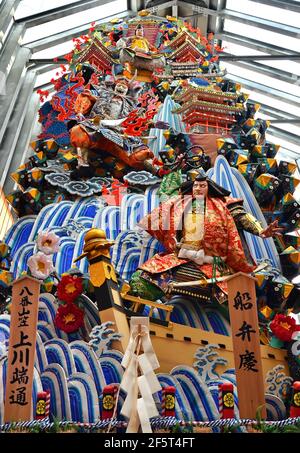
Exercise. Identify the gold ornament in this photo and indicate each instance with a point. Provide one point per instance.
(228, 400)
(108, 402)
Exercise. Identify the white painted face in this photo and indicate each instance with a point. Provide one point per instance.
(200, 189)
(139, 32)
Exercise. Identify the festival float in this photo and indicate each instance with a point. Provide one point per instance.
(151, 206)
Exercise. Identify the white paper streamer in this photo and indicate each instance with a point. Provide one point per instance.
(139, 405)
(149, 352)
(129, 350)
(145, 366)
(129, 374)
(144, 419)
(130, 400)
(146, 394)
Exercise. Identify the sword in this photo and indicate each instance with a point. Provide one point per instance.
(206, 281)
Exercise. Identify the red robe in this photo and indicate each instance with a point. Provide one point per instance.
(221, 237)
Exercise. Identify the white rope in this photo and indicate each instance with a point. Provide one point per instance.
(156, 423)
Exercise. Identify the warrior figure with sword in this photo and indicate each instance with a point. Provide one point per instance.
(199, 231)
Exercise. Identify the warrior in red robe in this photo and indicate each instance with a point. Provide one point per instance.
(200, 237)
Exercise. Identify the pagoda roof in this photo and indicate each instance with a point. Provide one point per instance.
(201, 118)
(181, 38)
(182, 70)
(96, 51)
(193, 93)
(186, 51)
(96, 44)
(197, 105)
(179, 64)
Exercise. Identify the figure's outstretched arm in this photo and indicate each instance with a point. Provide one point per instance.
(247, 222)
(271, 230)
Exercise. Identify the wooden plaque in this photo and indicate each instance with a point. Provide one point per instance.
(21, 351)
(246, 344)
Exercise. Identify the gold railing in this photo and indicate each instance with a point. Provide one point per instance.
(138, 301)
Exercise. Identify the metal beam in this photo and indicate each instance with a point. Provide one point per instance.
(58, 38)
(135, 5)
(42, 68)
(258, 57)
(269, 71)
(22, 151)
(13, 86)
(254, 21)
(197, 5)
(263, 89)
(273, 112)
(290, 5)
(59, 12)
(7, 11)
(21, 137)
(280, 118)
(45, 86)
(253, 44)
(158, 6)
(12, 134)
(215, 23)
(10, 49)
(48, 61)
(261, 23)
(288, 121)
(288, 153)
(292, 138)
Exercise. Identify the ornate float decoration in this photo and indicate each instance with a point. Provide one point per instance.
(142, 114)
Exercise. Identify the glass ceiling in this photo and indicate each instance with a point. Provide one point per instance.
(268, 81)
(266, 36)
(288, 66)
(74, 20)
(272, 13)
(28, 7)
(275, 84)
(55, 51)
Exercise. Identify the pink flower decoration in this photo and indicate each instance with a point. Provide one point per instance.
(40, 265)
(48, 242)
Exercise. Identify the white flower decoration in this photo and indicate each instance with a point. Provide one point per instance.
(48, 242)
(40, 265)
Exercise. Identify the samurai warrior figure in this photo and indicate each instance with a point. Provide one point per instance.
(198, 230)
